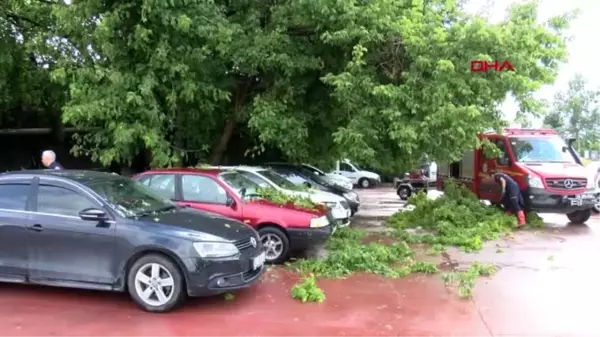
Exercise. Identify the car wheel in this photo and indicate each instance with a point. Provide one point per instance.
(275, 243)
(364, 183)
(596, 208)
(155, 283)
(404, 192)
(579, 217)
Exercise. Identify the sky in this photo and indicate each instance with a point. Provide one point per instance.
(582, 48)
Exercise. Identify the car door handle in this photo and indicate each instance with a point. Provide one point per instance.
(36, 228)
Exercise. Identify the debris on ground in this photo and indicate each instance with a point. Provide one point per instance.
(455, 218)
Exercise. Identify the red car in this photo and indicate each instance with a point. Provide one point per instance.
(226, 192)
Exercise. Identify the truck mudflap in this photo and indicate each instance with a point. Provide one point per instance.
(543, 201)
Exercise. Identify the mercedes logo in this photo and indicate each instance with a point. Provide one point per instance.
(568, 183)
(253, 242)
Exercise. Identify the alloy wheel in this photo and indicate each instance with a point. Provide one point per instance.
(273, 246)
(154, 284)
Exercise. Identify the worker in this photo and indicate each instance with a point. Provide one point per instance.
(511, 197)
(49, 160)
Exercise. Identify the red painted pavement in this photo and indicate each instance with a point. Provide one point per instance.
(548, 285)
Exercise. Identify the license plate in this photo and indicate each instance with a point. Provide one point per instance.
(258, 261)
(576, 202)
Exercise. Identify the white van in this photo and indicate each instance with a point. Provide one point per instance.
(264, 177)
(358, 176)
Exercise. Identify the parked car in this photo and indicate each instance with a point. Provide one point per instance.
(357, 175)
(340, 209)
(95, 230)
(230, 194)
(331, 177)
(300, 175)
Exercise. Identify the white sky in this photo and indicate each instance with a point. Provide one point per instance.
(582, 49)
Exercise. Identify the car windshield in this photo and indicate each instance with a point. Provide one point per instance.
(312, 176)
(314, 169)
(130, 198)
(358, 168)
(546, 149)
(241, 185)
(277, 179)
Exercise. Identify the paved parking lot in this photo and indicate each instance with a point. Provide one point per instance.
(547, 285)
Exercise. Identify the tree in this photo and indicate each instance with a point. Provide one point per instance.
(379, 81)
(28, 98)
(575, 114)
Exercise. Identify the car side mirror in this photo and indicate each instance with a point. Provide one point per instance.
(229, 202)
(307, 184)
(93, 214)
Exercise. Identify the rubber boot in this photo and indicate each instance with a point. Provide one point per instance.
(521, 218)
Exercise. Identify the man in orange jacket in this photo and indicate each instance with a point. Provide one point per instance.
(512, 199)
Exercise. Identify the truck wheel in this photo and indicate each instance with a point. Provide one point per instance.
(364, 183)
(579, 217)
(596, 208)
(404, 192)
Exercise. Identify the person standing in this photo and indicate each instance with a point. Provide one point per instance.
(511, 199)
(49, 160)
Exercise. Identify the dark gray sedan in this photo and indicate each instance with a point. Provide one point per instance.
(103, 231)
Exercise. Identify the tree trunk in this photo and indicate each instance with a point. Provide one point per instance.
(217, 153)
(230, 123)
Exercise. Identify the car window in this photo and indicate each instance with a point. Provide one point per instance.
(256, 179)
(62, 201)
(291, 176)
(145, 180)
(345, 167)
(163, 184)
(129, 197)
(14, 196)
(202, 189)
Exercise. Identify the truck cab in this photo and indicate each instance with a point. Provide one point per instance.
(550, 174)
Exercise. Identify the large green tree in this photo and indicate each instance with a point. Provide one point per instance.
(380, 81)
(575, 113)
(28, 98)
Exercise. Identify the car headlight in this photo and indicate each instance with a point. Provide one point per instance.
(319, 222)
(215, 249)
(535, 182)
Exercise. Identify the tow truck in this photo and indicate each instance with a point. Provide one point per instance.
(550, 174)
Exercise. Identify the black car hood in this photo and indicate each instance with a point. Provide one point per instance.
(190, 220)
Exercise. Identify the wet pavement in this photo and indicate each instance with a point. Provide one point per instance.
(547, 285)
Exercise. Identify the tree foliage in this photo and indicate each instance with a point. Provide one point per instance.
(575, 113)
(379, 81)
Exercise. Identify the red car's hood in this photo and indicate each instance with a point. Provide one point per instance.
(558, 170)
